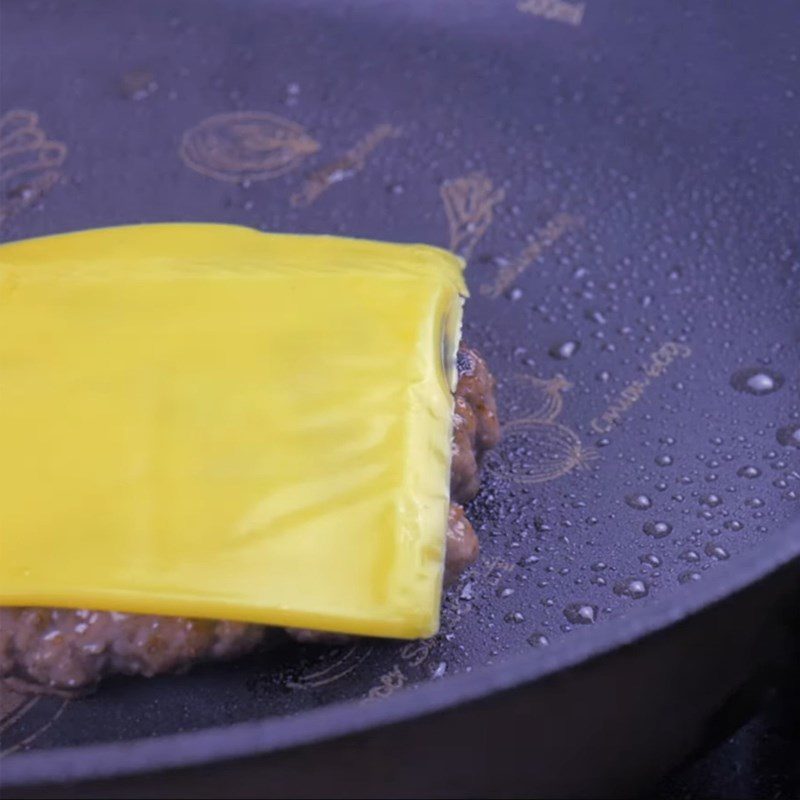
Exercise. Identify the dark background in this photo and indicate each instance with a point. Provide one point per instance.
(760, 760)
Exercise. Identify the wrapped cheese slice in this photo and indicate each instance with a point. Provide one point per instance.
(209, 421)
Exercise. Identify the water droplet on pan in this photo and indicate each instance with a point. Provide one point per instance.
(657, 529)
(650, 560)
(634, 588)
(593, 315)
(538, 640)
(564, 350)
(748, 471)
(789, 436)
(716, 552)
(581, 613)
(756, 380)
(641, 502)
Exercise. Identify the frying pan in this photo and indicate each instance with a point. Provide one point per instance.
(624, 181)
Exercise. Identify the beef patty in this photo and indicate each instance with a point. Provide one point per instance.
(58, 650)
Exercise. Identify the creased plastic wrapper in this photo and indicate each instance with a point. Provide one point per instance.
(208, 421)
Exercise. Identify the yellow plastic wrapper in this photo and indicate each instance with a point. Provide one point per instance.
(208, 421)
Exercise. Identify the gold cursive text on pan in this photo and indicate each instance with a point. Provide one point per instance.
(349, 164)
(656, 365)
(545, 238)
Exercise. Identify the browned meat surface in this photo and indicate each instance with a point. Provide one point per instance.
(61, 649)
(475, 424)
(464, 475)
(307, 636)
(462, 544)
(69, 649)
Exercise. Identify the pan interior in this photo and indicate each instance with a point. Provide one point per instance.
(626, 187)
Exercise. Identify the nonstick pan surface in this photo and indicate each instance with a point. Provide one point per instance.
(624, 181)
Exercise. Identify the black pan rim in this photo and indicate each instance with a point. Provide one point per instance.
(260, 737)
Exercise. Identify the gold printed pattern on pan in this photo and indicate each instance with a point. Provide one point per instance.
(388, 684)
(658, 363)
(24, 716)
(245, 146)
(545, 238)
(351, 163)
(414, 654)
(469, 203)
(337, 664)
(556, 10)
(29, 161)
(535, 447)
